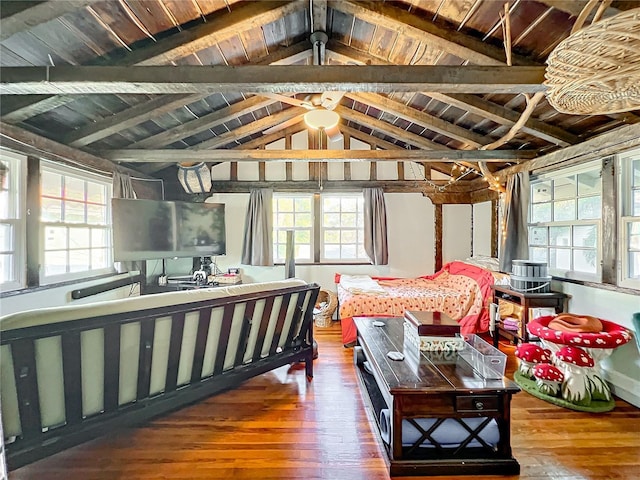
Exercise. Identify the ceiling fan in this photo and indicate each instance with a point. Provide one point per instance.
(321, 115)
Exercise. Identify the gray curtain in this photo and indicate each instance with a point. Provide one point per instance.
(257, 247)
(375, 226)
(515, 237)
(123, 188)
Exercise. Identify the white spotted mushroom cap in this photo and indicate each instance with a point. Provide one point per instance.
(530, 352)
(546, 371)
(575, 356)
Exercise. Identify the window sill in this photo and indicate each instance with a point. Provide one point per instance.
(600, 286)
(51, 286)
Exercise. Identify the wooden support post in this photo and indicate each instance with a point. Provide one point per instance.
(438, 236)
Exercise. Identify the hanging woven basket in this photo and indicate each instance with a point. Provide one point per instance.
(596, 70)
(326, 305)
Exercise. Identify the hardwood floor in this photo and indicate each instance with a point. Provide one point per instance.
(278, 426)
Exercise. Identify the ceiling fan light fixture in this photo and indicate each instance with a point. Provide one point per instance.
(333, 134)
(321, 119)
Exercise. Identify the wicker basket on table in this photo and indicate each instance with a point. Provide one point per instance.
(326, 305)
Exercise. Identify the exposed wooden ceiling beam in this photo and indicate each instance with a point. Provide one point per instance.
(372, 140)
(18, 16)
(574, 7)
(383, 14)
(430, 122)
(319, 15)
(272, 137)
(233, 155)
(272, 78)
(388, 129)
(32, 144)
(470, 103)
(505, 116)
(159, 106)
(249, 129)
(174, 47)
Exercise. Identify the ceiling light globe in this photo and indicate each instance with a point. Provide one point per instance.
(321, 118)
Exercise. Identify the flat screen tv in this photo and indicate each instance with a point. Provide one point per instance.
(153, 229)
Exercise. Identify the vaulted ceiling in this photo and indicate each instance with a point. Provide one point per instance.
(148, 83)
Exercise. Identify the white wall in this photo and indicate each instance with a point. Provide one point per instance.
(410, 236)
(482, 229)
(456, 232)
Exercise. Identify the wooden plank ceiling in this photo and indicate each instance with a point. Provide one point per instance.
(131, 80)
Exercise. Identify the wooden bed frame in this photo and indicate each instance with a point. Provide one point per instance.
(66, 381)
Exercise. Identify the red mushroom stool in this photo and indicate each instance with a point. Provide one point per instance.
(578, 356)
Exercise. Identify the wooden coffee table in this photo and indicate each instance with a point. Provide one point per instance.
(420, 394)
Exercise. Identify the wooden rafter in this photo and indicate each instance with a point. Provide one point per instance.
(233, 155)
(171, 48)
(17, 16)
(278, 78)
(382, 14)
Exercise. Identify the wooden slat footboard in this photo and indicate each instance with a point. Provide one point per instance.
(67, 382)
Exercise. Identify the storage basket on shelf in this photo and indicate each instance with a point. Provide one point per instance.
(326, 305)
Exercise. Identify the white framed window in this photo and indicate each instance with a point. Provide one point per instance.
(328, 227)
(12, 220)
(75, 224)
(565, 221)
(342, 228)
(629, 233)
(293, 212)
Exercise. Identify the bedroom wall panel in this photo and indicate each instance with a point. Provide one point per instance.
(456, 232)
(482, 229)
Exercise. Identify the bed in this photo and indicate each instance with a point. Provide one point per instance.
(462, 290)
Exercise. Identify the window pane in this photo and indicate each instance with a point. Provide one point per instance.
(281, 251)
(585, 236)
(99, 237)
(560, 259)
(560, 236)
(538, 254)
(332, 251)
(79, 260)
(331, 204)
(74, 188)
(635, 209)
(332, 236)
(636, 173)
(564, 188)
(55, 238)
(349, 204)
(302, 252)
(6, 268)
(331, 220)
(634, 265)
(79, 238)
(589, 208)
(348, 220)
(349, 236)
(541, 213)
(584, 261)
(74, 212)
(100, 258)
(97, 214)
(538, 236)
(349, 251)
(5, 205)
(303, 204)
(55, 263)
(51, 210)
(51, 184)
(302, 236)
(96, 193)
(303, 220)
(281, 236)
(564, 210)
(285, 220)
(285, 204)
(541, 192)
(6, 237)
(589, 183)
(634, 236)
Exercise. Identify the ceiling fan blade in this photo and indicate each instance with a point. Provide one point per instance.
(289, 100)
(330, 100)
(283, 125)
